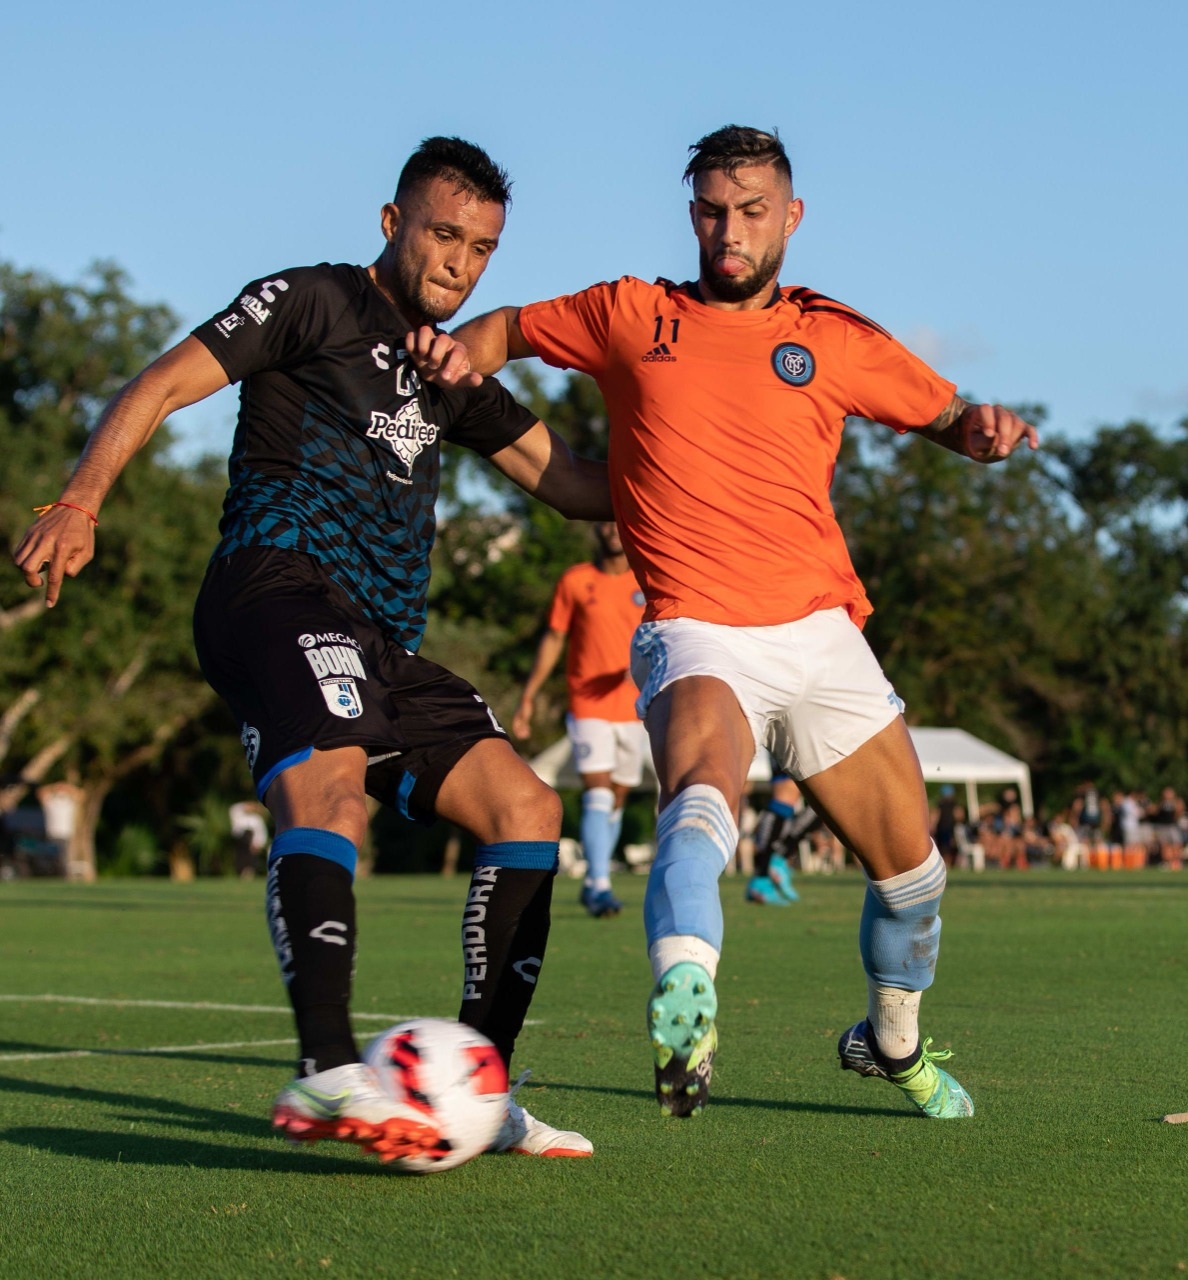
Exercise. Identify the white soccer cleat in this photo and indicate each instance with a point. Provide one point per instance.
(527, 1136)
(347, 1104)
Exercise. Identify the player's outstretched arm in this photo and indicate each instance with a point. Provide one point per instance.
(552, 643)
(983, 432)
(542, 464)
(479, 347)
(64, 536)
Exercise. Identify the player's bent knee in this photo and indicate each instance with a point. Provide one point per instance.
(527, 809)
(899, 936)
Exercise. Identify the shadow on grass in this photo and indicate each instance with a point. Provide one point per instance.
(153, 1149)
(719, 1100)
(168, 1110)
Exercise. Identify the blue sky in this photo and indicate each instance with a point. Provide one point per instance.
(1003, 186)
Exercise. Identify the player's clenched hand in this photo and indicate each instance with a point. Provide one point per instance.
(441, 359)
(993, 433)
(522, 720)
(63, 539)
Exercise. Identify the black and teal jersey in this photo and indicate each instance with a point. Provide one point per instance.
(336, 450)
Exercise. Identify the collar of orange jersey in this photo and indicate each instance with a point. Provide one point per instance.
(693, 289)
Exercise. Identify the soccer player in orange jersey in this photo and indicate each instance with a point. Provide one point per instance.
(597, 606)
(726, 398)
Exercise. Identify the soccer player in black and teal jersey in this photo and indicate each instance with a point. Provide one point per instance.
(313, 608)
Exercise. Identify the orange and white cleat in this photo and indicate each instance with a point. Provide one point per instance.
(525, 1135)
(346, 1104)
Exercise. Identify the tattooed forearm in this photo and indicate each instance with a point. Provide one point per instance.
(947, 429)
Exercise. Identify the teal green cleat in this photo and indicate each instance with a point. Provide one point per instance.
(934, 1091)
(681, 1012)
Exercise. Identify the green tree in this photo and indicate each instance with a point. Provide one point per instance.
(1037, 604)
(101, 685)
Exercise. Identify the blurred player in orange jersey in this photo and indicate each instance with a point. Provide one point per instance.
(597, 606)
(726, 398)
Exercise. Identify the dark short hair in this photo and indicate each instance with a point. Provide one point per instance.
(460, 162)
(732, 147)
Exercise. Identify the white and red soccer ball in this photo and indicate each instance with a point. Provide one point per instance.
(451, 1075)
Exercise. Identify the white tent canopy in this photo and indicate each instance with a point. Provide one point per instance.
(946, 755)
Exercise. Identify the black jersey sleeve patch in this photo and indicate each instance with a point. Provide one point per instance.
(274, 321)
(486, 418)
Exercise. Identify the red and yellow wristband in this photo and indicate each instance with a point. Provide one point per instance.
(49, 506)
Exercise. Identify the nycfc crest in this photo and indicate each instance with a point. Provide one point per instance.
(794, 364)
(342, 697)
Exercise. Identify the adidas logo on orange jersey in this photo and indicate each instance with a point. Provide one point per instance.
(660, 354)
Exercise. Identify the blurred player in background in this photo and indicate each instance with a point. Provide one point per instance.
(597, 607)
(313, 608)
(776, 835)
(726, 399)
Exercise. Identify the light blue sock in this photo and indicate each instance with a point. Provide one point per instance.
(695, 838)
(899, 935)
(597, 841)
(616, 829)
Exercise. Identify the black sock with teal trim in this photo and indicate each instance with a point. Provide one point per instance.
(770, 832)
(311, 915)
(505, 929)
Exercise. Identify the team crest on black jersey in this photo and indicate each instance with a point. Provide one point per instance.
(406, 431)
(793, 364)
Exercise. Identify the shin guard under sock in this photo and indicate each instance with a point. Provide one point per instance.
(311, 915)
(899, 938)
(505, 928)
(695, 838)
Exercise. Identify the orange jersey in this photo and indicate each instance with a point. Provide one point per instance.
(599, 612)
(724, 432)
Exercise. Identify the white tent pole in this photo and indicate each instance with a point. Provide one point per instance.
(1025, 794)
(971, 802)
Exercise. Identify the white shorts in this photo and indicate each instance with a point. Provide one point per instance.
(616, 747)
(811, 690)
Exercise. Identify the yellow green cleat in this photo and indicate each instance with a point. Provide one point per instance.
(680, 1016)
(934, 1091)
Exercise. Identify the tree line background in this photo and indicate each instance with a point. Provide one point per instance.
(1039, 605)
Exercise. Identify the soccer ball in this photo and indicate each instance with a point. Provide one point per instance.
(452, 1075)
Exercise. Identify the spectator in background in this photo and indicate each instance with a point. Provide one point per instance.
(944, 824)
(1130, 819)
(1010, 823)
(1066, 846)
(1088, 815)
(249, 833)
(1166, 818)
(61, 802)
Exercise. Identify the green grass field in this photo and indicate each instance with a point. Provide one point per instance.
(1063, 998)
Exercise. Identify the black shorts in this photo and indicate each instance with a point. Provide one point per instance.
(301, 667)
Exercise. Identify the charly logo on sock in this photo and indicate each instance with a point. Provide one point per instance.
(521, 967)
(320, 933)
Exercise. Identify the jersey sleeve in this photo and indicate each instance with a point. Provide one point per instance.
(273, 322)
(573, 331)
(561, 612)
(890, 385)
(486, 418)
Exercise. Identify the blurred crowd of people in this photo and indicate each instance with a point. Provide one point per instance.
(1126, 829)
